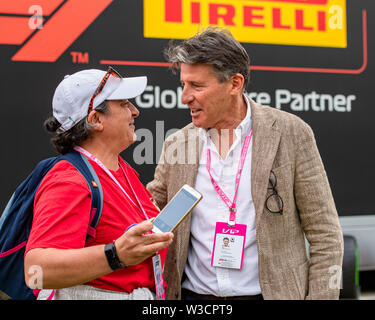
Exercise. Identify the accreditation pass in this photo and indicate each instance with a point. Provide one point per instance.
(229, 244)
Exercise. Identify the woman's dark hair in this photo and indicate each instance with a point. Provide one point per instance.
(64, 142)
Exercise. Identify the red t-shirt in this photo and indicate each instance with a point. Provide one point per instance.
(62, 212)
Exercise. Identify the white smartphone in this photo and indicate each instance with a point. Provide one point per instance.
(176, 210)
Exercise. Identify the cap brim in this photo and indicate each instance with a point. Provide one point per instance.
(129, 88)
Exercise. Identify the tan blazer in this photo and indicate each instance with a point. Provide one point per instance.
(284, 143)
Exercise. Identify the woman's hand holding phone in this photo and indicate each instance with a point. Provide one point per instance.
(138, 243)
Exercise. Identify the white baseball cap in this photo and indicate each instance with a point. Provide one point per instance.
(72, 97)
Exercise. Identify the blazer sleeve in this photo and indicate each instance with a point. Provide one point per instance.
(319, 219)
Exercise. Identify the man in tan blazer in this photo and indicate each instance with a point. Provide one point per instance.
(283, 195)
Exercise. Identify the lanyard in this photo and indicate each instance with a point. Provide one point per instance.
(231, 204)
(134, 193)
(109, 173)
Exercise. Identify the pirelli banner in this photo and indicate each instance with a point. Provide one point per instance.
(313, 58)
(319, 23)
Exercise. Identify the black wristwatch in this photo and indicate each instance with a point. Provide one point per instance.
(112, 257)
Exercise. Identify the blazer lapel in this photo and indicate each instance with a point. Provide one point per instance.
(266, 138)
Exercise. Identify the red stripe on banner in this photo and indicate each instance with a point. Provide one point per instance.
(18, 30)
(135, 63)
(25, 6)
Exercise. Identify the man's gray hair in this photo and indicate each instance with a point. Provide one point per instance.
(214, 46)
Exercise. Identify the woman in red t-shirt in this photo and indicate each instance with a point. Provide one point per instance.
(92, 115)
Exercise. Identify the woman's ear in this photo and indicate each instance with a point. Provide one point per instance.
(95, 119)
(237, 83)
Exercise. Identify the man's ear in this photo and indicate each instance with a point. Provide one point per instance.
(95, 119)
(237, 82)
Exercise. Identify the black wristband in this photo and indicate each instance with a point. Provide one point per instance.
(112, 258)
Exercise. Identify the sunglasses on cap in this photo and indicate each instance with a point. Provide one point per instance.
(110, 72)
